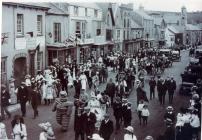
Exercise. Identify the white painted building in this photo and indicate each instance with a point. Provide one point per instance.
(85, 28)
(23, 40)
(57, 32)
(147, 22)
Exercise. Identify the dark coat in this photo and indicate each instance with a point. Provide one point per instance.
(152, 84)
(159, 83)
(169, 133)
(170, 116)
(5, 98)
(117, 107)
(22, 95)
(127, 116)
(89, 123)
(79, 123)
(162, 88)
(171, 86)
(77, 85)
(106, 129)
(110, 89)
(34, 97)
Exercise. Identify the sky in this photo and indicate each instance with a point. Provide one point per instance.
(169, 5)
(157, 5)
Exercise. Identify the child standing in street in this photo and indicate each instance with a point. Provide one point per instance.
(145, 114)
(139, 110)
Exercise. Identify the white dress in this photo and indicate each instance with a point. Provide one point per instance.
(42, 136)
(13, 95)
(83, 81)
(43, 88)
(18, 132)
(3, 134)
(129, 137)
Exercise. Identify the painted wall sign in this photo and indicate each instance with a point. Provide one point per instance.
(20, 43)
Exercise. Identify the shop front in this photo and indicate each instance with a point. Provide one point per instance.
(60, 55)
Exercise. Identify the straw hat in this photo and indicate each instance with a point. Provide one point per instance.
(45, 126)
(149, 138)
(96, 137)
(27, 76)
(130, 129)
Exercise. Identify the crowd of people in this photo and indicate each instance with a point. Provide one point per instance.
(92, 119)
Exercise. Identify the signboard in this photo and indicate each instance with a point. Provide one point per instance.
(20, 43)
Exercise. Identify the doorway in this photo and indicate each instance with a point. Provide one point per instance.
(19, 70)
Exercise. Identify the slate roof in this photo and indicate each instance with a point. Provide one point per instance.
(56, 10)
(143, 14)
(105, 7)
(175, 29)
(86, 5)
(191, 27)
(117, 15)
(28, 4)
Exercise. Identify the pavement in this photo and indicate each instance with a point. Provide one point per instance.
(155, 125)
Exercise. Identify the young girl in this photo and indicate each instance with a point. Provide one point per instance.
(145, 114)
(19, 128)
(139, 110)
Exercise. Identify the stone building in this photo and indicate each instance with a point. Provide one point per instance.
(23, 40)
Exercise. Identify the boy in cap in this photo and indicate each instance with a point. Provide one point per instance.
(127, 116)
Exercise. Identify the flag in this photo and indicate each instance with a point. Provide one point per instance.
(38, 47)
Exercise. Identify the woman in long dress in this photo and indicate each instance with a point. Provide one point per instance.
(83, 79)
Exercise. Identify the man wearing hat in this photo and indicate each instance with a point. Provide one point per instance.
(79, 124)
(117, 107)
(89, 122)
(152, 85)
(127, 116)
(22, 97)
(106, 128)
(4, 101)
(110, 90)
(171, 85)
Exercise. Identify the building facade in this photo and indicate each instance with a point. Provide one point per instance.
(147, 22)
(23, 40)
(57, 32)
